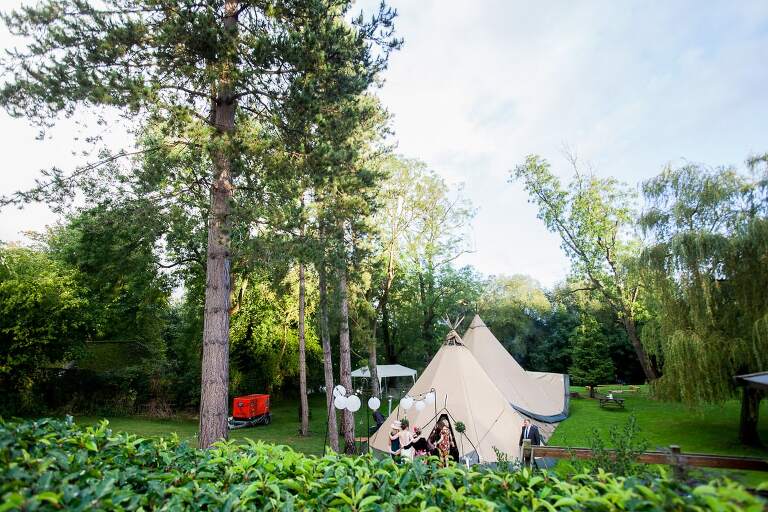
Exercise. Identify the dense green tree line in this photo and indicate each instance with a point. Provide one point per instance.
(536, 325)
(238, 102)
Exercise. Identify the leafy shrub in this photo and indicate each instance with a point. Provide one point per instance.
(78, 391)
(503, 464)
(626, 445)
(54, 465)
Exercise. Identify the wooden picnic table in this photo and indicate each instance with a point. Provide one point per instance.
(604, 400)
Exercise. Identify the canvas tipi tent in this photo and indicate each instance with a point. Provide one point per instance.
(541, 396)
(463, 392)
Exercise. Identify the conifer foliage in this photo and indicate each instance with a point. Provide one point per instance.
(592, 364)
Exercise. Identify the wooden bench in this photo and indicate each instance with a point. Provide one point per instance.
(604, 401)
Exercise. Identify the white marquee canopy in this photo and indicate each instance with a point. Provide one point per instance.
(385, 371)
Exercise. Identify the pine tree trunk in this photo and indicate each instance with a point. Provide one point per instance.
(215, 364)
(750, 409)
(373, 365)
(631, 328)
(345, 362)
(325, 336)
(303, 357)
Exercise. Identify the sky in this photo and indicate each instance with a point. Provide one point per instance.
(628, 86)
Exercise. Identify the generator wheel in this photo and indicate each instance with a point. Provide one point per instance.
(268, 419)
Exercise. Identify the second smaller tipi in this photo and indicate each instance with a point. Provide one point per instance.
(539, 395)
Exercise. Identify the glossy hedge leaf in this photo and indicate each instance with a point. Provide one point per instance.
(129, 473)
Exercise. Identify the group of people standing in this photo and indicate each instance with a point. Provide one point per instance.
(409, 443)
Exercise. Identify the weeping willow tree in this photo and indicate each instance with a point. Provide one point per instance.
(708, 270)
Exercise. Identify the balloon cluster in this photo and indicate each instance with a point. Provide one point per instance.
(419, 402)
(352, 402)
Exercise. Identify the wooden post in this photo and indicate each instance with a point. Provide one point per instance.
(678, 468)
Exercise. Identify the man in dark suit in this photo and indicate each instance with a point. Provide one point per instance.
(530, 432)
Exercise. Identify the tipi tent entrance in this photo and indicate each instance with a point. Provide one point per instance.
(434, 436)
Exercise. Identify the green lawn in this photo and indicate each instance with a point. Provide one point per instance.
(711, 429)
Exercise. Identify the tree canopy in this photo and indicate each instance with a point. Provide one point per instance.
(594, 219)
(44, 319)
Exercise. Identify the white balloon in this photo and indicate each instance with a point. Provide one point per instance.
(374, 403)
(430, 398)
(406, 403)
(419, 405)
(340, 402)
(339, 390)
(353, 403)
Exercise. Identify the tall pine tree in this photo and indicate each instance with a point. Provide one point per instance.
(203, 67)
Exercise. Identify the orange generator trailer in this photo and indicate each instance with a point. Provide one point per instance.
(250, 410)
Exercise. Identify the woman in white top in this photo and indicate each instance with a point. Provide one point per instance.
(406, 438)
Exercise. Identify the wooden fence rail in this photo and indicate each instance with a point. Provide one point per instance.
(674, 457)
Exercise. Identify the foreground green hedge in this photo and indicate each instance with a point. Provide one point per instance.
(54, 465)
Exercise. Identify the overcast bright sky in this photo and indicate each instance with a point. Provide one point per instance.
(478, 85)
